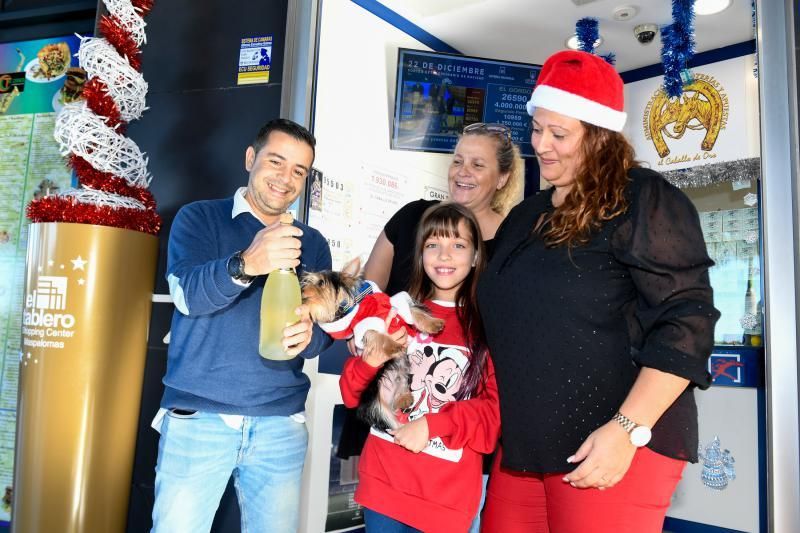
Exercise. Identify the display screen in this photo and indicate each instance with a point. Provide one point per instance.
(729, 219)
(438, 94)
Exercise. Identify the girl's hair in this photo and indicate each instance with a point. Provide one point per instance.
(508, 160)
(598, 194)
(442, 220)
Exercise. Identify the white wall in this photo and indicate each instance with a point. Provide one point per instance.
(731, 414)
(353, 117)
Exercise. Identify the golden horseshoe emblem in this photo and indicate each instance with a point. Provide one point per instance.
(699, 108)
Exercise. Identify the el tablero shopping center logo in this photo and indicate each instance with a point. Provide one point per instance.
(702, 107)
(46, 322)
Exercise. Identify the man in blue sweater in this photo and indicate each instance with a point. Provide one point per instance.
(225, 409)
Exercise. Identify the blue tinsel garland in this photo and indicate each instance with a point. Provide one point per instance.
(677, 45)
(586, 29)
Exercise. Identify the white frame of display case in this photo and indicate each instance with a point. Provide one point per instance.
(781, 232)
(779, 166)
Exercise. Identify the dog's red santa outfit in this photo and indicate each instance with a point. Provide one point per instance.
(370, 315)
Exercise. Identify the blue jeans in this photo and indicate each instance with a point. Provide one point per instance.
(375, 522)
(198, 453)
(476, 524)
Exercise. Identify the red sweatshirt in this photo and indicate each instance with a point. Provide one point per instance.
(439, 489)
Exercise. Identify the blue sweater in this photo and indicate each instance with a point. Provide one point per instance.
(213, 362)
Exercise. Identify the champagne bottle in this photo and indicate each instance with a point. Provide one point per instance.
(279, 300)
(751, 320)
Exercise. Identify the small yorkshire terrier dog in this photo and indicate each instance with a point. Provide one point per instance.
(343, 304)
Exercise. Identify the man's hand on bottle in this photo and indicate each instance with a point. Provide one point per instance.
(276, 246)
(297, 336)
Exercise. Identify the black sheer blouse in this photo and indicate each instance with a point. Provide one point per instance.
(568, 329)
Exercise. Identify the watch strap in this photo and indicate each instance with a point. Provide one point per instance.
(627, 424)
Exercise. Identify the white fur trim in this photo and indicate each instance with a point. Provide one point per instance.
(401, 302)
(341, 324)
(575, 106)
(371, 323)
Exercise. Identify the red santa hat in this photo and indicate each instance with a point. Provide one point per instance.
(582, 86)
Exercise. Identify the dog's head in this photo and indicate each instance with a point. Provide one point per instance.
(328, 291)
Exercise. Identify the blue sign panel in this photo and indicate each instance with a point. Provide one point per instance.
(737, 366)
(438, 94)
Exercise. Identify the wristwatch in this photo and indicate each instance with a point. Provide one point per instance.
(235, 267)
(639, 435)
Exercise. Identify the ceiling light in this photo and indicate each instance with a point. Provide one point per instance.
(710, 7)
(573, 43)
(623, 13)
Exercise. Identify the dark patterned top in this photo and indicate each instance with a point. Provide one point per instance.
(569, 328)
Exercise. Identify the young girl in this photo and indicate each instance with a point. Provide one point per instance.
(427, 474)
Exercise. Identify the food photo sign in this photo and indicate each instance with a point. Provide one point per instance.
(39, 76)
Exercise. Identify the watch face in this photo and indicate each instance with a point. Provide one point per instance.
(235, 266)
(640, 436)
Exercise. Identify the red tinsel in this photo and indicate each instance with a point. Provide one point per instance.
(66, 209)
(111, 28)
(104, 181)
(143, 6)
(99, 101)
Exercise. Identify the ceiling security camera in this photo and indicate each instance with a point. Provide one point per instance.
(645, 33)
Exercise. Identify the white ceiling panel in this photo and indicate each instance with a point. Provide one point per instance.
(530, 30)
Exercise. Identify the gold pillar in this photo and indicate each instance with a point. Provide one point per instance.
(84, 341)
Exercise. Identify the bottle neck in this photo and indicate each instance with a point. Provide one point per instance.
(285, 220)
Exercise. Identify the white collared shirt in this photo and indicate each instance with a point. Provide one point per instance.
(241, 205)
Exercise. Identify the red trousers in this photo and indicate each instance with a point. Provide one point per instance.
(543, 503)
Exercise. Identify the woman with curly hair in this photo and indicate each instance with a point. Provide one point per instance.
(599, 316)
